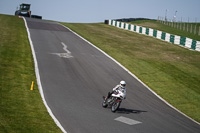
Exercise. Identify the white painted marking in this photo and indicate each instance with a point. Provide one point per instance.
(127, 120)
(65, 48)
(64, 55)
(39, 81)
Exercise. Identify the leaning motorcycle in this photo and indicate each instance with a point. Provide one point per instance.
(114, 101)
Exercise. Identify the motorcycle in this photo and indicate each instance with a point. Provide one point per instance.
(114, 101)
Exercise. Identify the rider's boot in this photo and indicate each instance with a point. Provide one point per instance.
(105, 99)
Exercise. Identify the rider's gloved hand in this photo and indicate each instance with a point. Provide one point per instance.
(113, 92)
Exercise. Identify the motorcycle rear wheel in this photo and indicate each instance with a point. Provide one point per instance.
(104, 104)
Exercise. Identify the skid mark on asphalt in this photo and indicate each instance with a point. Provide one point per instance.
(127, 120)
(64, 55)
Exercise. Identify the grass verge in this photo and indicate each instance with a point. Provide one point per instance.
(171, 71)
(21, 110)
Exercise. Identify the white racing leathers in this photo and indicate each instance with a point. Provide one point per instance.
(121, 89)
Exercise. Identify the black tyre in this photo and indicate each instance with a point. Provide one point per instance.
(115, 106)
(104, 104)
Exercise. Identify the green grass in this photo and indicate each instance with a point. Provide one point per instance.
(171, 71)
(21, 110)
(168, 29)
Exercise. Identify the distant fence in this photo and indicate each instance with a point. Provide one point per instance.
(179, 40)
(192, 28)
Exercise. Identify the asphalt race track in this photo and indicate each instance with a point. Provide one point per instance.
(74, 77)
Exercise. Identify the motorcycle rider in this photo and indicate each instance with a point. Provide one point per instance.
(120, 87)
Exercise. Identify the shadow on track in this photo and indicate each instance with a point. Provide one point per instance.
(129, 111)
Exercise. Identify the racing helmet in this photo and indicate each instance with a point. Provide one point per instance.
(123, 83)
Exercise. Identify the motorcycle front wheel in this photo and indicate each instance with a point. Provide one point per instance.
(115, 106)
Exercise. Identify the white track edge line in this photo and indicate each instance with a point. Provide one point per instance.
(133, 76)
(39, 82)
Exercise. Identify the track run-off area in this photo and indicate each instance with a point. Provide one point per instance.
(73, 75)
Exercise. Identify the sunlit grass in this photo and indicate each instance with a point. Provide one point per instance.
(21, 110)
